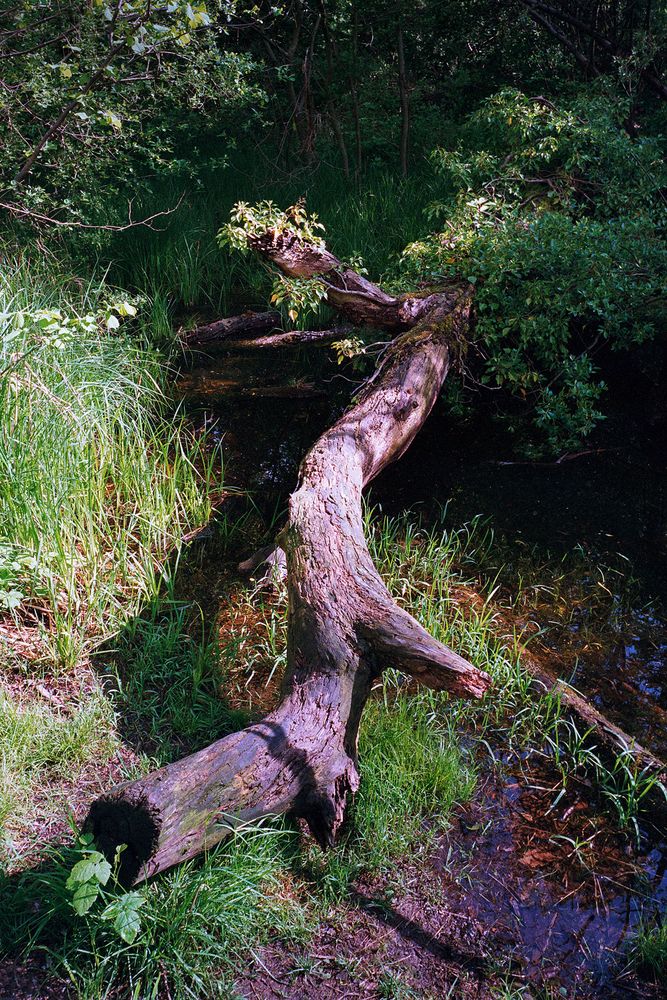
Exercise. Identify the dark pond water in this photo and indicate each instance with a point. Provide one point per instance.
(564, 916)
(267, 408)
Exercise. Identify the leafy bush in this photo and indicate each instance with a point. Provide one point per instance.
(557, 216)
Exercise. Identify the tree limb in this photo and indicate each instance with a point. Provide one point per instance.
(344, 628)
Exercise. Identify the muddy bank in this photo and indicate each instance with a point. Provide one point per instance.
(546, 895)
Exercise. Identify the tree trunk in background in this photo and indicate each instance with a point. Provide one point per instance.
(331, 50)
(344, 628)
(405, 104)
(355, 96)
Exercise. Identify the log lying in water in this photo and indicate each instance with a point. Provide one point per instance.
(344, 628)
(614, 738)
(290, 338)
(248, 324)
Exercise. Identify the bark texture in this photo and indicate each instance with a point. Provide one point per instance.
(249, 324)
(290, 338)
(344, 627)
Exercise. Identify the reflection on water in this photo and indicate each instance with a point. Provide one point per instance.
(266, 410)
(564, 915)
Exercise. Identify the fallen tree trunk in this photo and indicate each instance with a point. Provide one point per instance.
(290, 338)
(344, 628)
(248, 324)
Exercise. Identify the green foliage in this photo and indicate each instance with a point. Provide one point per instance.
(168, 686)
(87, 877)
(300, 297)
(97, 481)
(18, 569)
(91, 86)
(649, 949)
(183, 932)
(350, 348)
(86, 882)
(252, 221)
(557, 216)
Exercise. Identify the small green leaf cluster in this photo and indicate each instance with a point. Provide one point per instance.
(248, 221)
(19, 573)
(557, 216)
(301, 297)
(350, 348)
(37, 329)
(87, 883)
(46, 327)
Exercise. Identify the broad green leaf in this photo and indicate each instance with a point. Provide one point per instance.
(85, 895)
(124, 913)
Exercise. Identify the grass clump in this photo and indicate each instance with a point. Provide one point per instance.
(649, 950)
(98, 481)
(195, 922)
(40, 745)
(169, 686)
(413, 770)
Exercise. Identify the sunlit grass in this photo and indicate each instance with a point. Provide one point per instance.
(99, 480)
(41, 744)
(168, 680)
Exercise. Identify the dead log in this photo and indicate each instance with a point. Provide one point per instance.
(613, 738)
(344, 628)
(248, 324)
(360, 301)
(290, 338)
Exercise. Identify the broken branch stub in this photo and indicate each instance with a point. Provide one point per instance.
(344, 628)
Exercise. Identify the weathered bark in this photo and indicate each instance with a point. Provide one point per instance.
(357, 298)
(290, 338)
(344, 628)
(248, 324)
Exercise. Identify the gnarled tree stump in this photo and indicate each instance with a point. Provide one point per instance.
(344, 627)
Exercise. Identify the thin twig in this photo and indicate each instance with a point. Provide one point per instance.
(130, 224)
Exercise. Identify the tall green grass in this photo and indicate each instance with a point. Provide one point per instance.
(182, 268)
(198, 922)
(649, 949)
(99, 479)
